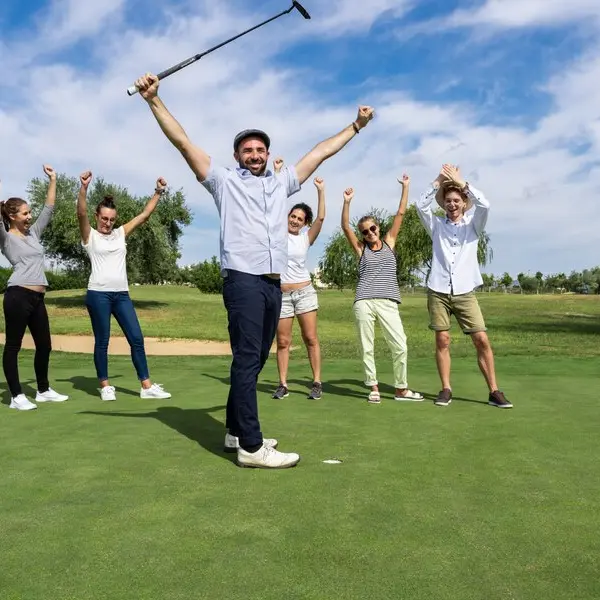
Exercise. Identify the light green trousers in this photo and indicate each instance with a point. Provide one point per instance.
(386, 312)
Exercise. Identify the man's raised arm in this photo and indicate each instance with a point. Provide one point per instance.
(309, 163)
(195, 157)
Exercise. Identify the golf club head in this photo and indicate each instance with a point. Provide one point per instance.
(301, 9)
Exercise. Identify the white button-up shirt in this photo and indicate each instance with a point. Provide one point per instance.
(254, 217)
(454, 268)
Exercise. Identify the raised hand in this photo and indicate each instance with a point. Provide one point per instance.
(348, 195)
(148, 86)
(365, 114)
(319, 183)
(277, 164)
(85, 178)
(50, 172)
(161, 184)
(405, 180)
(452, 173)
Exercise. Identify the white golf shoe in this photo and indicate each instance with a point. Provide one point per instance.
(107, 393)
(21, 402)
(154, 391)
(267, 458)
(50, 396)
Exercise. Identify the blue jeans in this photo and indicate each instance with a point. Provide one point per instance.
(253, 304)
(100, 306)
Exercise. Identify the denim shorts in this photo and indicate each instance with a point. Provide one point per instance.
(298, 302)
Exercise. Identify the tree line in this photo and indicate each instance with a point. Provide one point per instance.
(153, 252)
(579, 282)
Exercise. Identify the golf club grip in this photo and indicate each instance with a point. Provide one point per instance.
(133, 90)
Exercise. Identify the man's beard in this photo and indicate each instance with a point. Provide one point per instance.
(261, 172)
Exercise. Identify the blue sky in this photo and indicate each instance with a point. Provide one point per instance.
(504, 88)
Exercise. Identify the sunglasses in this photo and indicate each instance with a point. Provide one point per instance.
(372, 229)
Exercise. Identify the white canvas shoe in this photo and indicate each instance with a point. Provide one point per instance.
(21, 402)
(267, 458)
(154, 391)
(232, 443)
(50, 396)
(107, 393)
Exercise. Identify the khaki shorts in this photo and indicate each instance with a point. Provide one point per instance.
(299, 302)
(464, 307)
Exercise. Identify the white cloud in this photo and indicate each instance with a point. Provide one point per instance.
(339, 17)
(525, 13)
(542, 191)
(71, 20)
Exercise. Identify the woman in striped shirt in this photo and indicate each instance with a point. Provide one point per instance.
(378, 295)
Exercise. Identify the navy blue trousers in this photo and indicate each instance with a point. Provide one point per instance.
(253, 304)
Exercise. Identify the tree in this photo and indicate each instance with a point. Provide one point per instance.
(591, 278)
(540, 281)
(206, 276)
(488, 281)
(575, 282)
(152, 250)
(527, 283)
(339, 266)
(506, 281)
(556, 282)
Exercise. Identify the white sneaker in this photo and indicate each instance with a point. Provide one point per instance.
(50, 396)
(21, 402)
(267, 458)
(154, 391)
(232, 443)
(107, 393)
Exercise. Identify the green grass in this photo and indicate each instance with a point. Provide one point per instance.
(525, 325)
(135, 500)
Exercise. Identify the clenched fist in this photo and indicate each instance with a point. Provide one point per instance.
(85, 178)
(148, 86)
(50, 172)
(365, 114)
(161, 184)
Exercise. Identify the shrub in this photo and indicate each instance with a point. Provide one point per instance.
(206, 276)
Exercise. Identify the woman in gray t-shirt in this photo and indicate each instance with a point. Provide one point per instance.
(24, 297)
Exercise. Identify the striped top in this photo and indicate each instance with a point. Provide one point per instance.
(377, 276)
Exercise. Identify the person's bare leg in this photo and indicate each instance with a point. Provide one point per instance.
(284, 340)
(485, 358)
(308, 327)
(442, 357)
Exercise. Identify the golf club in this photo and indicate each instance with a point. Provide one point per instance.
(295, 5)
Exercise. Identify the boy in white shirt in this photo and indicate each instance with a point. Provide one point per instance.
(455, 275)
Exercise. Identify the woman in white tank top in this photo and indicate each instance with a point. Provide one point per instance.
(299, 296)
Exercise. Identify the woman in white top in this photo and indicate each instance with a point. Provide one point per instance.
(108, 288)
(299, 296)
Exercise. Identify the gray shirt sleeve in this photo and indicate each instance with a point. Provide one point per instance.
(42, 221)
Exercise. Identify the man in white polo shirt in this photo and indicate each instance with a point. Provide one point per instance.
(455, 275)
(253, 208)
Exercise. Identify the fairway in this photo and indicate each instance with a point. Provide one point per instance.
(136, 500)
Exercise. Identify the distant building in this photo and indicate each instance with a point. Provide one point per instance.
(316, 279)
